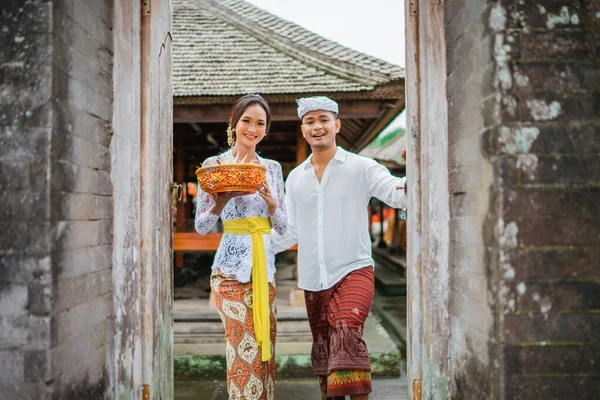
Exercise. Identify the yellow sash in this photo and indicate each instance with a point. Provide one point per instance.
(257, 226)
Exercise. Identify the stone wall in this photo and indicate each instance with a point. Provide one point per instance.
(56, 280)
(523, 187)
(473, 349)
(524, 139)
(545, 150)
(26, 130)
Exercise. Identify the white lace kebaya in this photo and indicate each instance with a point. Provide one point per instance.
(234, 255)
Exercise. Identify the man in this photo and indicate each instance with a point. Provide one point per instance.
(327, 198)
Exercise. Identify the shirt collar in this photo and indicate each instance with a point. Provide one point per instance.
(340, 156)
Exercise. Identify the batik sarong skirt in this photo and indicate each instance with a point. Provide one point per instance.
(248, 377)
(337, 316)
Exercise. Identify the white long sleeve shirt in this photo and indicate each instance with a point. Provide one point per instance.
(329, 219)
(234, 255)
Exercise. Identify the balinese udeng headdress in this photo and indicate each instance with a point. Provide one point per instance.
(308, 104)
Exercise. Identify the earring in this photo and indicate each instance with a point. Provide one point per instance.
(230, 138)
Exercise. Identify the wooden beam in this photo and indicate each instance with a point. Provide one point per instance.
(281, 112)
(382, 120)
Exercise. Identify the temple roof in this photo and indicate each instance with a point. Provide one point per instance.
(231, 47)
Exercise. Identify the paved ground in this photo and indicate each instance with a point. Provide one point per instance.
(298, 389)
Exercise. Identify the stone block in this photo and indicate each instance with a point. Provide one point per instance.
(81, 289)
(25, 86)
(82, 319)
(518, 387)
(83, 206)
(76, 178)
(557, 77)
(85, 96)
(18, 115)
(72, 36)
(24, 143)
(27, 17)
(544, 107)
(561, 231)
(23, 270)
(40, 299)
(87, 346)
(24, 51)
(562, 263)
(37, 366)
(25, 206)
(23, 391)
(564, 171)
(25, 238)
(103, 10)
(552, 15)
(81, 151)
(555, 46)
(22, 174)
(552, 203)
(85, 17)
(84, 261)
(297, 298)
(69, 235)
(550, 358)
(554, 297)
(13, 300)
(555, 327)
(12, 367)
(83, 124)
(569, 138)
(25, 332)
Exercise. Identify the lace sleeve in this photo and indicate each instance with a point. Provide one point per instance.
(205, 220)
(279, 218)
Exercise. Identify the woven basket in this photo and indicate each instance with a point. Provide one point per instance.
(231, 177)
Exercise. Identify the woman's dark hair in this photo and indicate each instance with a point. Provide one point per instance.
(237, 110)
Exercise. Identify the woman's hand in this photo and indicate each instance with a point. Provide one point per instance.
(265, 193)
(221, 200)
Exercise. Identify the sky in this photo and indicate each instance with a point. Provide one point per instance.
(374, 27)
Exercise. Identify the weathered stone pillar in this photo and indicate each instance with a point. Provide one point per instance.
(56, 194)
(521, 187)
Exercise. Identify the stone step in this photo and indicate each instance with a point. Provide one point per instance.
(389, 273)
(206, 327)
(206, 359)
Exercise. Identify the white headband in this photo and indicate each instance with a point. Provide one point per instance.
(308, 104)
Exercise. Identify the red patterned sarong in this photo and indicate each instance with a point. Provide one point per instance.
(248, 378)
(337, 316)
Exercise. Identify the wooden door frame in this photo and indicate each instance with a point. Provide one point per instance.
(428, 200)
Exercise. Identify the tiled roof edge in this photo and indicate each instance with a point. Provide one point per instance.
(334, 66)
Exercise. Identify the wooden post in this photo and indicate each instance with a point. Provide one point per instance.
(297, 295)
(301, 146)
(181, 206)
(428, 199)
(413, 248)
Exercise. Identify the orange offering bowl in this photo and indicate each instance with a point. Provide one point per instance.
(231, 177)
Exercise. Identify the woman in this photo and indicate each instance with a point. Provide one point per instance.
(242, 265)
